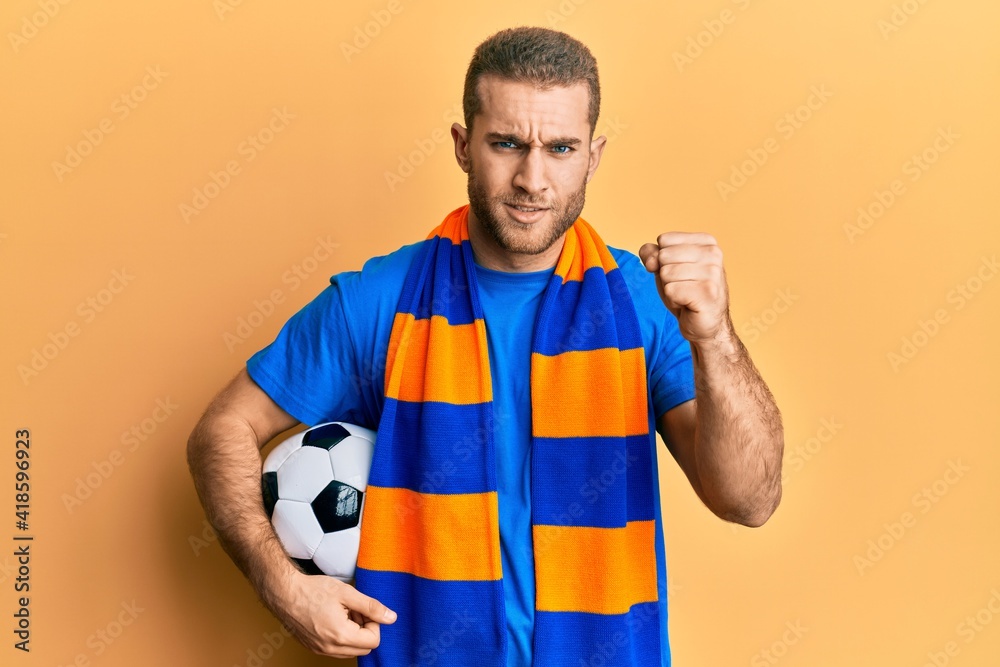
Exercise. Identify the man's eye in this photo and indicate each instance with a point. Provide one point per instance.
(568, 149)
(509, 144)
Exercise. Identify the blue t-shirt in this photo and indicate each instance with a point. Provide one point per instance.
(328, 364)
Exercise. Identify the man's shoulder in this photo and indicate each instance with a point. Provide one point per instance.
(381, 273)
(369, 296)
(632, 270)
(390, 266)
(625, 259)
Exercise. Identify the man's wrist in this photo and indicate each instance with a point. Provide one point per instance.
(725, 344)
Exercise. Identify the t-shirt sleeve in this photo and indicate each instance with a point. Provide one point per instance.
(672, 375)
(311, 369)
(671, 369)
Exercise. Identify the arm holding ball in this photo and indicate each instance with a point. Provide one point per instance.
(328, 616)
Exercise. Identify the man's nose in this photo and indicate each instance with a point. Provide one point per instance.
(530, 175)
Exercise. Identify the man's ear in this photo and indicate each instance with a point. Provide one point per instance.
(461, 137)
(596, 151)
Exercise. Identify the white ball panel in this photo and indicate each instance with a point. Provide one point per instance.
(351, 459)
(297, 528)
(304, 474)
(359, 431)
(337, 554)
(282, 451)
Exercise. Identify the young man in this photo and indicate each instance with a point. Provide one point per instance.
(537, 538)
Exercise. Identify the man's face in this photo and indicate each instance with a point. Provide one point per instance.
(529, 148)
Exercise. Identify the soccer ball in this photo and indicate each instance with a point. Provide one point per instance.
(314, 492)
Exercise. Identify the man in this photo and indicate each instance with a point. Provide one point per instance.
(531, 104)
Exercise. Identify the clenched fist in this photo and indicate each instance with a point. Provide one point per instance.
(692, 283)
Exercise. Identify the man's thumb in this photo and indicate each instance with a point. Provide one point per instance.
(371, 608)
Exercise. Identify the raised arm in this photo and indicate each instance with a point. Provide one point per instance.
(328, 616)
(729, 440)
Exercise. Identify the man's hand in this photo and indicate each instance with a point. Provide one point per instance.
(327, 615)
(332, 618)
(692, 283)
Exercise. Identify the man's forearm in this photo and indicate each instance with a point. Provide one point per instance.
(224, 458)
(328, 616)
(738, 435)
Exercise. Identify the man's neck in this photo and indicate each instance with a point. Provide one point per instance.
(491, 256)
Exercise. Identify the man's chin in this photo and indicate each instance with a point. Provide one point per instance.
(531, 241)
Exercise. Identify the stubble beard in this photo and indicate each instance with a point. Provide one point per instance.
(518, 237)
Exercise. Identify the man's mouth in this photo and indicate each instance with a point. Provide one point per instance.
(526, 214)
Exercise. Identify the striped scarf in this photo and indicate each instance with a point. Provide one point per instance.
(430, 541)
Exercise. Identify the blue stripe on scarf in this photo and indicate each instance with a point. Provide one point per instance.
(587, 311)
(462, 637)
(445, 459)
(620, 469)
(612, 639)
(451, 301)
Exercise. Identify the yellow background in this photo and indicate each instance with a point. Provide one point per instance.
(894, 76)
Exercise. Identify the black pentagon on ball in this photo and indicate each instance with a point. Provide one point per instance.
(325, 437)
(338, 507)
(269, 487)
(308, 566)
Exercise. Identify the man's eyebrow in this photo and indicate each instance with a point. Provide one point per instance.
(500, 136)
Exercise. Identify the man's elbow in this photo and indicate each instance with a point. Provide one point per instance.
(195, 450)
(752, 513)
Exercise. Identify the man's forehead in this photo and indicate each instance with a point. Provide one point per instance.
(509, 105)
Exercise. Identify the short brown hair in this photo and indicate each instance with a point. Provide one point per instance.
(540, 56)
